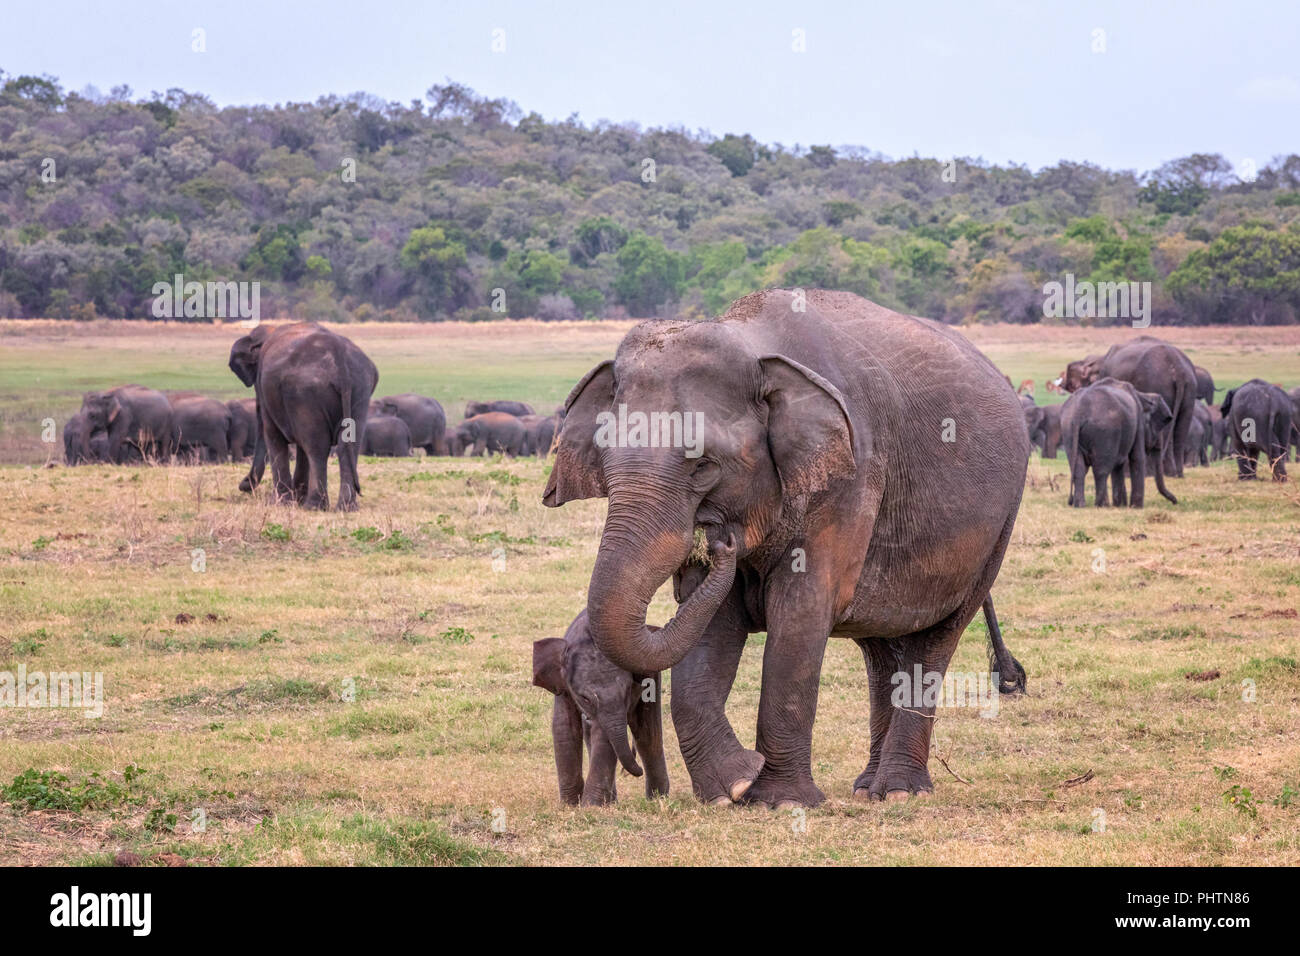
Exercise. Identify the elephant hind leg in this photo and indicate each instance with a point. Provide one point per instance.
(1119, 494)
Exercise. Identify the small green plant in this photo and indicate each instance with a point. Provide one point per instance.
(1225, 773)
(276, 532)
(50, 790)
(269, 637)
(1286, 797)
(160, 821)
(367, 535)
(397, 542)
(30, 645)
(1081, 537)
(41, 543)
(457, 635)
(115, 640)
(1241, 798)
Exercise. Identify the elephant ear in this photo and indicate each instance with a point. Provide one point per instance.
(547, 656)
(808, 427)
(114, 409)
(576, 473)
(246, 353)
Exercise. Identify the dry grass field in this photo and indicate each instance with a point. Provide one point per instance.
(324, 688)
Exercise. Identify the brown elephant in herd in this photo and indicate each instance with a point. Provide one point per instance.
(858, 476)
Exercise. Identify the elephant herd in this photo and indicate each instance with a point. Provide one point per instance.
(855, 473)
(312, 400)
(1143, 408)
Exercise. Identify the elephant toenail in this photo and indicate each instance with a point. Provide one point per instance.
(895, 795)
(739, 789)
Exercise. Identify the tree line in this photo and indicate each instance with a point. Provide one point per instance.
(463, 207)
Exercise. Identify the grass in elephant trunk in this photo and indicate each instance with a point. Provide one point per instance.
(356, 688)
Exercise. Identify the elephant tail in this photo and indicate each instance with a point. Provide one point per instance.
(1010, 675)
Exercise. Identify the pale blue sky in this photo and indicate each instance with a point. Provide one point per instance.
(1009, 81)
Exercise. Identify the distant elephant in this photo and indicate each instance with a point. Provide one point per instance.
(424, 417)
(510, 408)
(80, 447)
(539, 434)
(313, 389)
(243, 428)
(1033, 413)
(1049, 435)
(137, 422)
(1151, 365)
(1295, 419)
(1204, 385)
(1200, 436)
(1259, 417)
(203, 426)
(596, 702)
(857, 473)
(494, 431)
(456, 440)
(1113, 428)
(386, 436)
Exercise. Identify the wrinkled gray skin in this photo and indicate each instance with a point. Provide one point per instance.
(137, 423)
(386, 436)
(510, 408)
(492, 432)
(309, 382)
(424, 418)
(243, 428)
(597, 702)
(1112, 428)
(822, 432)
(80, 447)
(1269, 410)
(539, 434)
(1151, 365)
(202, 426)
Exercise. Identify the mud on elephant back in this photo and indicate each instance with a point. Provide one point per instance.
(824, 515)
(313, 389)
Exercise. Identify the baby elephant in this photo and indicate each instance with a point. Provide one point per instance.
(596, 702)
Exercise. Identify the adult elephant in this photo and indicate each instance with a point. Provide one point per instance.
(243, 428)
(1112, 428)
(1151, 365)
(202, 425)
(1204, 385)
(80, 447)
(424, 418)
(510, 408)
(492, 432)
(387, 437)
(859, 477)
(137, 423)
(1259, 417)
(313, 389)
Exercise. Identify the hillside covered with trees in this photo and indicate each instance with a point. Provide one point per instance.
(463, 207)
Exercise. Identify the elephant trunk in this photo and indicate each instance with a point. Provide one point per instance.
(633, 562)
(614, 726)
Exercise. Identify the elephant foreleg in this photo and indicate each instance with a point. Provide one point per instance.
(600, 787)
(721, 769)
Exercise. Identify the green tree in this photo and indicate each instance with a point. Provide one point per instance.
(649, 274)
